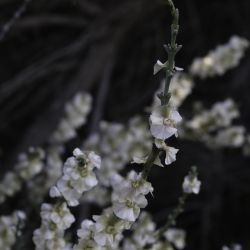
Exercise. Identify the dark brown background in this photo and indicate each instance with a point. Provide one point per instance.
(108, 48)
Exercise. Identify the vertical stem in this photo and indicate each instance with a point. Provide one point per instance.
(172, 50)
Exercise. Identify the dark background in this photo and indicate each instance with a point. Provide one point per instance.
(108, 48)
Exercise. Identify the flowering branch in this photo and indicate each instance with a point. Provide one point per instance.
(175, 213)
(191, 185)
(172, 49)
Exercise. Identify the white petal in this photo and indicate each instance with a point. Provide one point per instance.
(170, 155)
(174, 115)
(100, 239)
(162, 132)
(91, 180)
(159, 66)
(54, 192)
(123, 212)
(77, 152)
(95, 159)
(178, 68)
(139, 160)
(158, 162)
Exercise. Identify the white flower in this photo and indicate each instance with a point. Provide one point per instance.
(10, 184)
(231, 137)
(76, 112)
(64, 132)
(170, 151)
(55, 220)
(48, 237)
(177, 237)
(224, 112)
(108, 229)
(180, 87)
(160, 245)
(78, 176)
(128, 207)
(144, 231)
(68, 191)
(191, 184)
(221, 115)
(129, 195)
(30, 164)
(59, 214)
(163, 122)
(87, 227)
(134, 184)
(10, 226)
(88, 244)
(85, 234)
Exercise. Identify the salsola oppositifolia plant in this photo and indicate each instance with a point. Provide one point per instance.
(93, 174)
(128, 196)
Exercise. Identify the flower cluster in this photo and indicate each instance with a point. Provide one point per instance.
(76, 112)
(214, 127)
(105, 232)
(143, 233)
(117, 144)
(177, 237)
(55, 220)
(223, 58)
(78, 176)
(128, 197)
(221, 115)
(10, 229)
(233, 136)
(232, 247)
(29, 165)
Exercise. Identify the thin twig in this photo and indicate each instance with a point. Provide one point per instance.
(18, 13)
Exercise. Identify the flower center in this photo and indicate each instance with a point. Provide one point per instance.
(169, 122)
(83, 171)
(129, 204)
(136, 184)
(110, 229)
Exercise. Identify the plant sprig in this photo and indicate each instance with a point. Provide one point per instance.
(172, 49)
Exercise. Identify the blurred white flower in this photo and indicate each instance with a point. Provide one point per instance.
(191, 184)
(108, 229)
(177, 237)
(9, 229)
(231, 137)
(223, 58)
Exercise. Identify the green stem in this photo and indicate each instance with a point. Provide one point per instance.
(174, 215)
(150, 162)
(172, 49)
